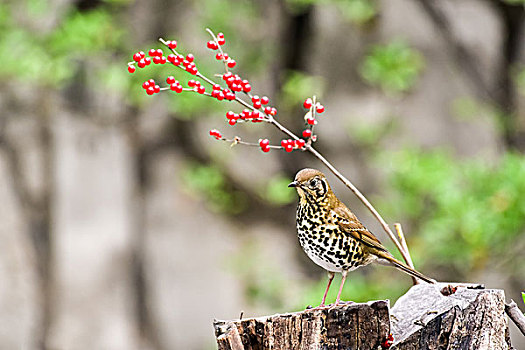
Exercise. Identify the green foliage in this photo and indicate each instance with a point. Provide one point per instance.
(358, 12)
(51, 58)
(208, 181)
(298, 86)
(277, 192)
(523, 297)
(393, 67)
(465, 213)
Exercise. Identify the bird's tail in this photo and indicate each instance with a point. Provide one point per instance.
(396, 263)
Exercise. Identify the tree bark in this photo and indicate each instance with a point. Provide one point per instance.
(440, 316)
(348, 326)
(468, 318)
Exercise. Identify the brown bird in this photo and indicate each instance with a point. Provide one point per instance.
(332, 236)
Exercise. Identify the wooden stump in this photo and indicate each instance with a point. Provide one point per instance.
(468, 318)
(349, 326)
(440, 316)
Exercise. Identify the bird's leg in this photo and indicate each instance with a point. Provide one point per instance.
(344, 273)
(330, 278)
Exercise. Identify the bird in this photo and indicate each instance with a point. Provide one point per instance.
(332, 236)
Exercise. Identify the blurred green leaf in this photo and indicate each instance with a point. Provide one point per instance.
(277, 191)
(209, 182)
(393, 67)
(475, 205)
(356, 11)
(298, 85)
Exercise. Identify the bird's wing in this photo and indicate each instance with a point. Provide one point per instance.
(350, 224)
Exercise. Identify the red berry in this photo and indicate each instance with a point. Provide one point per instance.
(288, 148)
(284, 143)
(157, 89)
(307, 103)
(131, 69)
(311, 121)
(193, 70)
(225, 56)
(247, 88)
(212, 45)
(268, 110)
(265, 100)
(220, 96)
(221, 41)
(172, 58)
(230, 115)
(320, 108)
(152, 52)
(170, 80)
(163, 59)
(151, 82)
(147, 60)
(264, 142)
(273, 111)
(172, 44)
(230, 96)
(159, 52)
(231, 63)
(156, 59)
(307, 133)
(257, 104)
(220, 35)
(145, 85)
(216, 87)
(150, 90)
(201, 89)
(255, 98)
(226, 76)
(141, 64)
(216, 133)
(232, 122)
(192, 83)
(142, 54)
(137, 57)
(176, 87)
(190, 57)
(300, 143)
(265, 149)
(218, 56)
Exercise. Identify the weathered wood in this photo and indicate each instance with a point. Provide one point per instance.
(347, 326)
(424, 318)
(440, 316)
(516, 315)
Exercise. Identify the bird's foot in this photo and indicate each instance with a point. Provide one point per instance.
(341, 302)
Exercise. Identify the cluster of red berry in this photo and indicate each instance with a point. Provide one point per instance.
(221, 56)
(259, 109)
(216, 133)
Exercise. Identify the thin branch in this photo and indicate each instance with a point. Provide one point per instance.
(403, 242)
(308, 147)
(516, 315)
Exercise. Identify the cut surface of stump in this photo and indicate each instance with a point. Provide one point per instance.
(424, 318)
(348, 326)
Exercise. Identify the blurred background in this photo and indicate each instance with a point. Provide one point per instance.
(124, 225)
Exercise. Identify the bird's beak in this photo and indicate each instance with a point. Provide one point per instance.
(293, 184)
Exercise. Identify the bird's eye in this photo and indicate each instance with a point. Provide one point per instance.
(314, 183)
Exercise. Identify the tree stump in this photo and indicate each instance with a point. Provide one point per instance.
(440, 316)
(348, 326)
(468, 318)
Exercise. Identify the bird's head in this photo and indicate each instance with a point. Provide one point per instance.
(311, 185)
